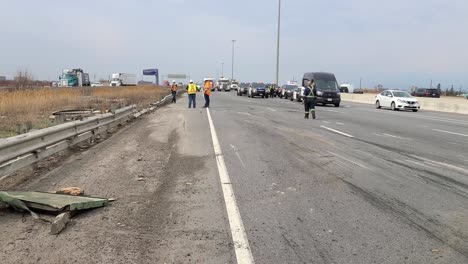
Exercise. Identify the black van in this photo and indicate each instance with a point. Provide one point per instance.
(328, 90)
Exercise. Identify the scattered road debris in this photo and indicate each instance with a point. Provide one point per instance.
(60, 223)
(63, 204)
(75, 191)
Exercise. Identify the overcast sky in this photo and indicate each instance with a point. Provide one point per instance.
(396, 43)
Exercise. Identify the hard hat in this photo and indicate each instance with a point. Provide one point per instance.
(191, 81)
(173, 81)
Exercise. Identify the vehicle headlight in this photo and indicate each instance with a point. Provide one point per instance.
(402, 101)
(255, 90)
(319, 93)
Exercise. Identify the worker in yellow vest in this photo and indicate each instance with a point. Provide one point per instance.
(192, 93)
(207, 92)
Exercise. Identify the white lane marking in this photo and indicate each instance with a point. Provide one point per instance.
(393, 136)
(449, 132)
(237, 154)
(271, 109)
(336, 131)
(377, 134)
(334, 111)
(326, 122)
(348, 160)
(338, 123)
(239, 236)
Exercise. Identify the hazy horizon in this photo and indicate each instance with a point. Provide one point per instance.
(393, 43)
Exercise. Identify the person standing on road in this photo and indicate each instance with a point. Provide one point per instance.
(310, 93)
(272, 90)
(173, 91)
(207, 92)
(192, 93)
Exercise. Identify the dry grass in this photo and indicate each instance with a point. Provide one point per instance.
(35, 106)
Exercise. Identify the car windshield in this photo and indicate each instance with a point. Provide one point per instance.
(322, 85)
(401, 94)
(290, 87)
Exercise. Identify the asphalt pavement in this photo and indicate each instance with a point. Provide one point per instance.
(356, 185)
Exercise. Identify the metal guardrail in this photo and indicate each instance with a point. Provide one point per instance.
(22, 150)
(19, 151)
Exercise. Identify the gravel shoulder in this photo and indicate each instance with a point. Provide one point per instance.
(174, 215)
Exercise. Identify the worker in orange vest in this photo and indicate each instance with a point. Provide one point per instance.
(192, 93)
(174, 91)
(207, 92)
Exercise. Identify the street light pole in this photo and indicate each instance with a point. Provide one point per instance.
(232, 69)
(278, 42)
(222, 69)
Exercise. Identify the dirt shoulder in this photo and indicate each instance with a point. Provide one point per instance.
(174, 215)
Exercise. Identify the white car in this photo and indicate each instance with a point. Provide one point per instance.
(298, 94)
(96, 84)
(397, 100)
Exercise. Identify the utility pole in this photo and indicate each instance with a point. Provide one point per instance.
(360, 83)
(232, 69)
(222, 69)
(431, 85)
(278, 43)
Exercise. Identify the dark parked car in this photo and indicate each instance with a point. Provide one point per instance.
(328, 90)
(243, 89)
(257, 89)
(424, 92)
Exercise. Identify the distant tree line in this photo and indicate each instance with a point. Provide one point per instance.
(23, 80)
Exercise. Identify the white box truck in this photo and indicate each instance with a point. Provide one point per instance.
(123, 79)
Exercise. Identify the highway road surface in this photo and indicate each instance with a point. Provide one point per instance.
(251, 181)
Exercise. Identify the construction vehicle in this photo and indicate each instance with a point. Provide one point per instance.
(74, 78)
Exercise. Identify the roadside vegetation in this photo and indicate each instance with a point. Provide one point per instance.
(33, 106)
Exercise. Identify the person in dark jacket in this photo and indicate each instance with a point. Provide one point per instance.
(310, 93)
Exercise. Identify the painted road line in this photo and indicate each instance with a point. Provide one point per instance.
(326, 122)
(338, 132)
(338, 123)
(449, 132)
(348, 160)
(237, 154)
(271, 109)
(393, 136)
(239, 236)
(334, 111)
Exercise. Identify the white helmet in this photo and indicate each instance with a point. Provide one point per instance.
(191, 81)
(173, 81)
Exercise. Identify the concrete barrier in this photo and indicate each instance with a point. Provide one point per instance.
(457, 105)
